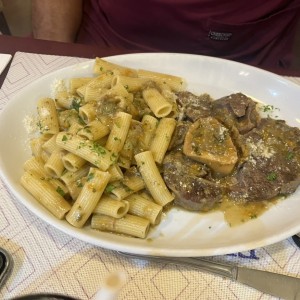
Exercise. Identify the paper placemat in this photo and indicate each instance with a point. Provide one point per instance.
(47, 260)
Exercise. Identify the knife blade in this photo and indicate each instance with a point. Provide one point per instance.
(278, 285)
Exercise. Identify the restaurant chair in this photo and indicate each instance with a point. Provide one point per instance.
(4, 28)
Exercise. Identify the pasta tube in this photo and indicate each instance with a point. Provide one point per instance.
(69, 177)
(115, 173)
(131, 142)
(131, 84)
(175, 82)
(45, 194)
(144, 208)
(88, 111)
(149, 125)
(67, 100)
(102, 66)
(75, 187)
(48, 119)
(67, 118)
(75, 83)
(162, 138)
(88, 150)
(153, 180)
(88, 198)
(119, 131)
(73, 162)
(111, 207)
(94, 130)
(157, 103)
(36, 164)
(36, 145)
(129, 224)
(50, 145)
(54, 165)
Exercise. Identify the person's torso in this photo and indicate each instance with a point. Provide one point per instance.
(243, 30)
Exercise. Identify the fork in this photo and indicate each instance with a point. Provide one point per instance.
(277, 285)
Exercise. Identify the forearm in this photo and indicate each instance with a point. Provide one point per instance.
(56, 20)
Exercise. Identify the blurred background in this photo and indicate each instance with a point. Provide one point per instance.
(17, 14)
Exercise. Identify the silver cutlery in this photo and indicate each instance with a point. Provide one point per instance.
(277, 285)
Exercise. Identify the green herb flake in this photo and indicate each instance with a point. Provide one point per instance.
(90, 176)
(76, 103)
(290, 156)
(98, 149)
(109, 188)
(79, 183)
(60, 191)
(64, 138)
(267, 108)
(272, 176)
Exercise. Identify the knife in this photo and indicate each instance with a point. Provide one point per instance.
(277, 285)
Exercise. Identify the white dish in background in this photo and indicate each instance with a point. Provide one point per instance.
(180, 233)
(4, 60)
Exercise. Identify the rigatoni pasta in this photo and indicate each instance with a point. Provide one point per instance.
(45, 193)
(153, 179)
(101, 145)
(48, 119)
(88, 198)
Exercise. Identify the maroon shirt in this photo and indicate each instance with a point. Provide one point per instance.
(258, 32)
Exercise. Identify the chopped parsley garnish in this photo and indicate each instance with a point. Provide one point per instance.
(109, 188)
(290, 156)
(60, 191)
(90, 176)
(76, 103)
(98, 149)
(64, 138)
(268, 108)
(272, 176)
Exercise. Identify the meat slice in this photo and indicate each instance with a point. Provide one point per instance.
(272, 167)
(192, 106)
(178, 136)
(189, 181)
(236, 110)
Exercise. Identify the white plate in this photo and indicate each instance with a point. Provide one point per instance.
(181, 233)
(4, 60)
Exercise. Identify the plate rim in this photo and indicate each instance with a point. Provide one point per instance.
(142, 249)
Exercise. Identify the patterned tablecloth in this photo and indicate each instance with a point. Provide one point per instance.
(47, 260)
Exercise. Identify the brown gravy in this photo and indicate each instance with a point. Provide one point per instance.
(239, 213)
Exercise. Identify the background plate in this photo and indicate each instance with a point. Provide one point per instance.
(180, 233)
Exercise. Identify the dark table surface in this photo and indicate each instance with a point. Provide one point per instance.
(11, 45)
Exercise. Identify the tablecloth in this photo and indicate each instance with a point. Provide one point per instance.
(47, 260)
